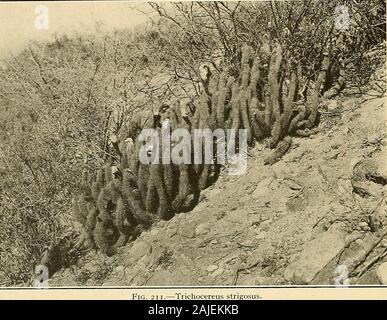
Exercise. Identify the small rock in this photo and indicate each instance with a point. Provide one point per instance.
(214, 192)
(218, 272)
(262, 188)
(352, 237)
(247, 244)
(262, 235)
(154, 232)
(360, 243)
(202, 228)
(245, 199)
(253, 210)
(260, 146)
(381, 271)
(315, 256)
(293, 258)
(212, 268)
(187, 229)
(161, 223)
(335, 145)
(255, 223)
(332, 105)
(264, 225)
(138, 250)
(237, 216)
(119, 269)
(280, 213)
(383, 243)
(246, 279)
(162, 278)
(369, 278)
(220, 215)
(265, 216)
(259, 280)
(231, 260)
(364, 226)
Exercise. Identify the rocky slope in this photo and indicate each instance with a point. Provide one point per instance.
(294, 222)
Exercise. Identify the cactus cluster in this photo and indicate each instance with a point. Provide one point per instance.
(266, 102)
(126, 197)
(108, 209)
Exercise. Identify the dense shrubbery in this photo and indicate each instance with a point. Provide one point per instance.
(60, 103)
(68, 106)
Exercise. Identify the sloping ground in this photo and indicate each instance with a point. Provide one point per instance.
(289, 223)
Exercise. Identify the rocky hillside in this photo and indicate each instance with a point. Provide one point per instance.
(311, 218)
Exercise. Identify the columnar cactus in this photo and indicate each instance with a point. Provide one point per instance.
(117, 205)
(105, 233)
(124, 226)
(132, 197)
(314, 100)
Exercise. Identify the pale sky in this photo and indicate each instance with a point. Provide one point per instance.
(17, 20)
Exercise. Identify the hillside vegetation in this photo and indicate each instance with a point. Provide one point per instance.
(71, 111)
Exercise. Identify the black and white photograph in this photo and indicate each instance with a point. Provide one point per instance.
(193, 144)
